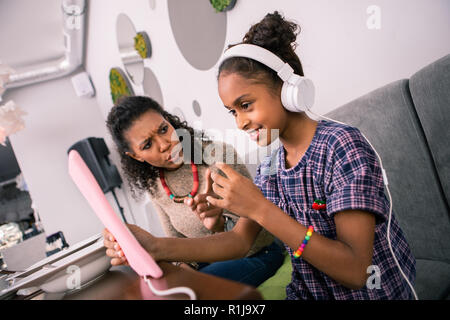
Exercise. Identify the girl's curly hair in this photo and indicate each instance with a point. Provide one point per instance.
(141, 176)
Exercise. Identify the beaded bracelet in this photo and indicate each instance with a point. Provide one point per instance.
(300, 249)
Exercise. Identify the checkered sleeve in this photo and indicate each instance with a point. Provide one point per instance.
(356, 180)
(257, 179)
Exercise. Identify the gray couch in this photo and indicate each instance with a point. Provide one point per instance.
(408, 123)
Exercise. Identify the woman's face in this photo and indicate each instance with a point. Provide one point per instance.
(256, 109)
(153, 139)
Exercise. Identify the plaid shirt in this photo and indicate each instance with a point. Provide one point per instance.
(340, 168)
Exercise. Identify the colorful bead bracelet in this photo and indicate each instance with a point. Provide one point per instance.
(300, 249)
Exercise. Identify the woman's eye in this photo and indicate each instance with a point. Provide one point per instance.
(147, 145)
(232, 112)
(164, 129)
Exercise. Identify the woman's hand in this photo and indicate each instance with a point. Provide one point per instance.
(239, 194)
(211, 216)
(113, 250)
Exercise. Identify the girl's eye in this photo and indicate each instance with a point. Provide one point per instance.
(164, 129)
(245, 105)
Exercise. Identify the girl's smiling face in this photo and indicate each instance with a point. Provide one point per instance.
(153, 139)
(255, 107)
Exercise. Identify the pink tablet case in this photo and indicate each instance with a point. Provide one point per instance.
(139, 259)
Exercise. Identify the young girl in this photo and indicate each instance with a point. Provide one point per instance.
(337, 243)
(155, 161)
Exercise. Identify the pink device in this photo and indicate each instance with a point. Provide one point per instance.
(139, 259)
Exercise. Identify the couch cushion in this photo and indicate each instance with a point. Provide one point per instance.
(430, 91)
(387, 118)
(429, 281)
(274, 288)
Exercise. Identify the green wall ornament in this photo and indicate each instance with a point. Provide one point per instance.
(119, 84)
(222, 5)
(142, 44)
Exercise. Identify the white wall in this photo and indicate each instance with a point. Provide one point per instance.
(55, 120)
(31, 33)
(343, 57)
(338, 51)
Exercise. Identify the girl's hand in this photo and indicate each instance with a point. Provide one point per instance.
(113, 250)
(239, 194)
(211, 216)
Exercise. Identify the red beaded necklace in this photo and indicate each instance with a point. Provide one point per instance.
(180, 199)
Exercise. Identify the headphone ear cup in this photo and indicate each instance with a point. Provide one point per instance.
(304, 95)
(290, 97)
(284, 96)
(298, 97)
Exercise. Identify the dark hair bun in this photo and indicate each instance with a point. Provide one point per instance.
(274, 33)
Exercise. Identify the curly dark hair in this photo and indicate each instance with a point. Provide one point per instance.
(275, 34)
(141, 176)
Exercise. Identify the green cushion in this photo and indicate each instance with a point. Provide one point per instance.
(274, 288)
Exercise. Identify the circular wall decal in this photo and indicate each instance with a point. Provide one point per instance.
(132, 61)
(152, 87)
(119, 84)
(201, 39)
(197, 108)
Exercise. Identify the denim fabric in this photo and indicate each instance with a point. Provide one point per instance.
(252, 270)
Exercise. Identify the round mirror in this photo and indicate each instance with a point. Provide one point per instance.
(152, 87)
(201, 40)
(132, 61)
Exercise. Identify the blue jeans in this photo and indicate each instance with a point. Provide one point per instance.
(252, 270)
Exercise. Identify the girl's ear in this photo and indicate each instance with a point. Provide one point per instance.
(133, 156)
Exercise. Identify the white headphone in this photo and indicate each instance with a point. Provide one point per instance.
(297, 93)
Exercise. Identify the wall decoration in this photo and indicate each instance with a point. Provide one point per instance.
(151, 86)
(200, 40)
(222, 5)
(142, 45)
(119, 84)
(197, 108)
(131, 58)
(10, 120)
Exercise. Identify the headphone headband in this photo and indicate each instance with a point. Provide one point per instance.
(254, 52)
(297, 92)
